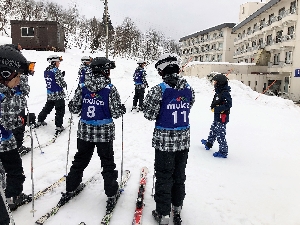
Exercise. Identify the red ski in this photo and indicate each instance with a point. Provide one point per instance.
(137, 219)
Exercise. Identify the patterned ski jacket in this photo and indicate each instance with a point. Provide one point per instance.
(142, 82)
(170, 140)
(82, 71)
(59, 80)
(11, 105)
(96, 132)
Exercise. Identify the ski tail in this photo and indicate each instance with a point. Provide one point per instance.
(56, 208)
(138, 213)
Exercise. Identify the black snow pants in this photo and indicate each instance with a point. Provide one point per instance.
(12, 164)
(82, 159)
(170, 179)
(59, 108)
(4, 217)
(138, 97)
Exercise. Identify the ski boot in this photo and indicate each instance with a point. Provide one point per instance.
(176, 215)
(133, 107)
(67, 196)
(38, 124)
(206, 144)
(15, 202)
(58, 130)
(111, 203)
(220, 154)
(23, 150)
(162, 220)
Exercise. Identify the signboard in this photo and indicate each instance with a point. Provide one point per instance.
(297, 72)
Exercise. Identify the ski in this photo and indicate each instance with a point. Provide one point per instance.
(82, 223)
(52, 140)
(56, 208)
(137, 218)
(122, 184)
(43, 192)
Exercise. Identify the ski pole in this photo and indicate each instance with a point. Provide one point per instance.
(153, 181)
(122, 150)
(31, 168)
(190, 59)
(68, 95)
(128, 96)
(266, 89)
(69, 140)
(34, 130)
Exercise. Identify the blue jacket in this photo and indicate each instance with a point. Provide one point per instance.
(221, 103)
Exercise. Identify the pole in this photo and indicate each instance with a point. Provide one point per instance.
(266, 89)
(106, 26)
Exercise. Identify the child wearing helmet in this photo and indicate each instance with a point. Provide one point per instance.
(140, 82)
(169, 104)
(98, 102)
(55, 85)
(220, 106)
(12, 65)
(85, 64)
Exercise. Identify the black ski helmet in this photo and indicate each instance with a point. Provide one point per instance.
(168, 63)
(100, 64)
(12, 62)
(221, 79)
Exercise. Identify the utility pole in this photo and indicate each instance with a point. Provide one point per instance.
(106, 26)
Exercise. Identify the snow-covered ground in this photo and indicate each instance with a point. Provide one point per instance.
(257, 184)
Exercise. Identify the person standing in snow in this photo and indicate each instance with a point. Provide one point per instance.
(98, 102)
(12, 65)
(140, 82)
(169, 104)
(85, 64)
(220, 106)
(55, 85)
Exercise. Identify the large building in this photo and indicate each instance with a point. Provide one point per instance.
(266, 36)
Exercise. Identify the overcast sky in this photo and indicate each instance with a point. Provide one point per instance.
(174, 18)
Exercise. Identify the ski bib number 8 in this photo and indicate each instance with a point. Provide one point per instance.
(91, 111)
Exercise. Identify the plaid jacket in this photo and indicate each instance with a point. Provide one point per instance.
(166, 140)
(10, 107)
(93, 133)
(59, 79)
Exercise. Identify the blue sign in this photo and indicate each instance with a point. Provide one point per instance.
(297, 72)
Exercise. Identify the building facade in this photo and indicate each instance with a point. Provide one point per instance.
(267, 36)
(211, 45)
(38, 35)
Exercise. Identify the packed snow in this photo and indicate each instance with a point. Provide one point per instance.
(257, 184)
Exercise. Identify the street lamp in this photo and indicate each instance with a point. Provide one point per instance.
(106, 28)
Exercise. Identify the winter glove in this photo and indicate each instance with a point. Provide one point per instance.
(32, 118)
(66, 86)
(63, 73)
(22, 120)
(213, 109)
(123, 109)
(70, 105)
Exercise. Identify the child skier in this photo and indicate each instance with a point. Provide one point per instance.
(12, 65)
(140, 82)
(85, 64)
(169, 103)
(220, 106)
(55, 94)
(97, 101)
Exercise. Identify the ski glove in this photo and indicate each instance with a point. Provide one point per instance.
(123, 109)
(63, 73)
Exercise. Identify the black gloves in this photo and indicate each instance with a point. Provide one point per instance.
(123, 109)
(63, 73)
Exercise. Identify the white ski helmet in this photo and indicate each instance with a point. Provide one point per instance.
(86, 59)
(167, 59)
(54, 58)
(141, 62)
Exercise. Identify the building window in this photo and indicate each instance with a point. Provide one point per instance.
(276, 59)
(269, 39)
(27, 32)
(249, 83)
(281, 13)
(243, 10)
(279, 36)
(288, 57)
(293, 7)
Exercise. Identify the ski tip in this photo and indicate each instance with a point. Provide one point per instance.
(145, 169)
(42, 152)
